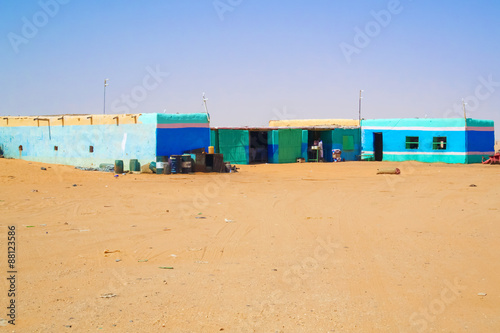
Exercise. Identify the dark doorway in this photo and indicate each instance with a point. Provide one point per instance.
(313, 138)
(258, 147)
(378, 146)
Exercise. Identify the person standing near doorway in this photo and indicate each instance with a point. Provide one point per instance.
(320, 147)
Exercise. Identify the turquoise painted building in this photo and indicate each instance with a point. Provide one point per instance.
(89, 140)
(427, 140)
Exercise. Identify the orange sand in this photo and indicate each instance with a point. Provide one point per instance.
(281, 248)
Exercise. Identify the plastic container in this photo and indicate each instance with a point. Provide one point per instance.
(118, 166)
(152, 167)
(161, 161)
(211, 150)
(134, 165)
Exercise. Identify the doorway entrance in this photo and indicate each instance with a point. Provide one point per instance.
(258, 147)
(313, 138)
(378, 146)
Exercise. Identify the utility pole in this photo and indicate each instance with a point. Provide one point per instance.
(105, 85)
(206, 108)
(463, 106)
(359, 115)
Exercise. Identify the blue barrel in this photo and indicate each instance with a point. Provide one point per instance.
(118, 166)
(175, 163)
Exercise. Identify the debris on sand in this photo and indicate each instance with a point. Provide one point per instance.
(102, 167)
(388, 171)
(195, 249)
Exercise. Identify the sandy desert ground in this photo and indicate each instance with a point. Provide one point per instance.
(274, 248)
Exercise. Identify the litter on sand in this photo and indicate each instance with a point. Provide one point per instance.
(108, 295)
(388, 171)
(104, 168)
(165, 267)
(229, 221)
(195, 249)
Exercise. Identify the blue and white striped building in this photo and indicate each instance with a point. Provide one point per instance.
(427, 140)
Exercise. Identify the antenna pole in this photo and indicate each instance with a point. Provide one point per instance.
(463, 105)
(205, 103)
(206, 107)
(359, 111)
(105, 85)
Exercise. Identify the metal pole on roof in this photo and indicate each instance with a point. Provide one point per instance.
(105, 85)
(359, 115)
(463, 105)
(466, 136)
(359, 118)
(206, 108)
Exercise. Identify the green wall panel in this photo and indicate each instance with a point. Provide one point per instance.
(290, 145)
(234, 145)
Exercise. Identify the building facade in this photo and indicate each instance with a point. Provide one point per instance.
(90, 140)
(427, 140)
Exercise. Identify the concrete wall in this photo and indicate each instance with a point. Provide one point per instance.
(342, 139)
(177, 133)
(112, 137)
(480, 139)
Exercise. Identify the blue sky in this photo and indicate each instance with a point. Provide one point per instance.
(255, 60)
